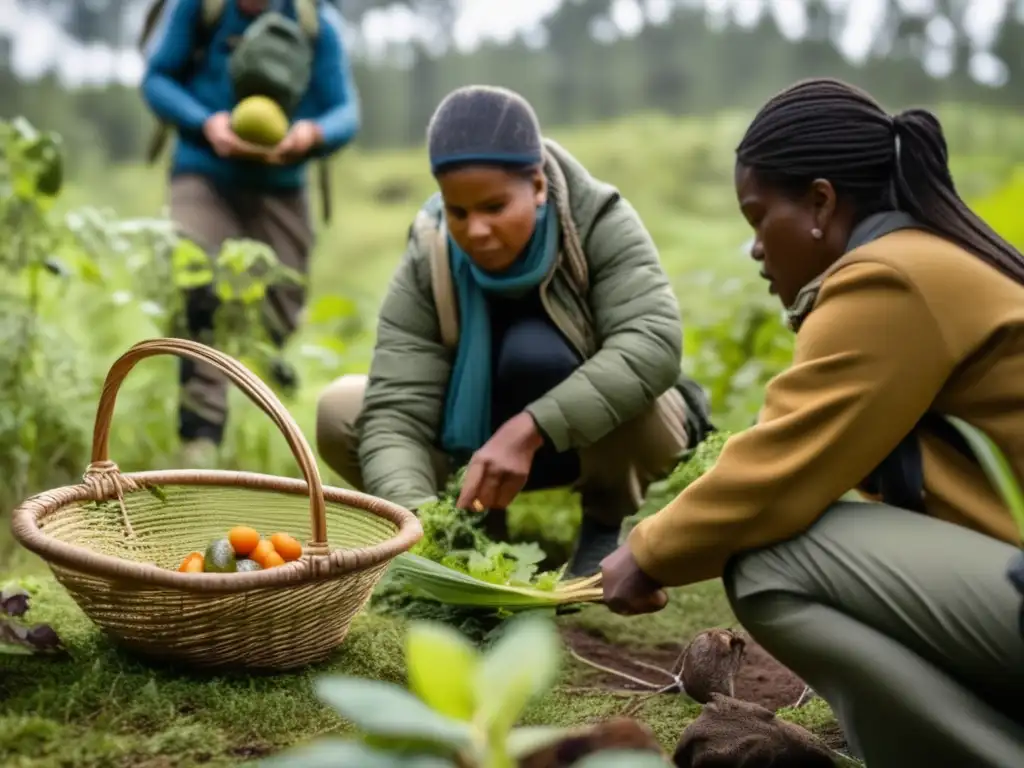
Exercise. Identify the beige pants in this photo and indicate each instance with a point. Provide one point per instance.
(209, 216)
(615, 471)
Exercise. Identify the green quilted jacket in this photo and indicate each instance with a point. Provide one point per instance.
(607, 292)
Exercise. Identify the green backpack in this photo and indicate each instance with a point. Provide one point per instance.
(266, 34)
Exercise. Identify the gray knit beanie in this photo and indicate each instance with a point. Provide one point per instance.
(483, 124)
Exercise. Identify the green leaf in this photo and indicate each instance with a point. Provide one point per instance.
(190, 264)
(385, 709)
(622, 758)
(521, 665)
(442, 664)
(225, 291)
(334, 753)
(253, 293)
(996, 468)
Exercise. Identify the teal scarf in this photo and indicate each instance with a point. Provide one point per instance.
(467, 410)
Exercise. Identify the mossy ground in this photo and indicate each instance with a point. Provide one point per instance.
(100, 707)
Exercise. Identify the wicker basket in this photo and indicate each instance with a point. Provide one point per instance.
(116, 540)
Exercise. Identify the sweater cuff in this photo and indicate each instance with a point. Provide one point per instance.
(646, 556)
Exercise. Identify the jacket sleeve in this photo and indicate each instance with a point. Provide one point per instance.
(401, 411)
(639, 333)
(167, 54)
(869, 361)
(333, 85)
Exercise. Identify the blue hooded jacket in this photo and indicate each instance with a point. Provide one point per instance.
(186, 99)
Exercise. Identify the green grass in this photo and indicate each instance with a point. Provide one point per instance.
(102, 708)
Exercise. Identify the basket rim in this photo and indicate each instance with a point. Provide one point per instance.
(340, 562)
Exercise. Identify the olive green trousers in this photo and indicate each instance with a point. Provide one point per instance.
(906, 625)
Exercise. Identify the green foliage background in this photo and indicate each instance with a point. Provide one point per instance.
(91, 271)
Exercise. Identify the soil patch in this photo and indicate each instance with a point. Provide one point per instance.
(760, 679)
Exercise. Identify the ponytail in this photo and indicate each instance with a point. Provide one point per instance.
(925, 189)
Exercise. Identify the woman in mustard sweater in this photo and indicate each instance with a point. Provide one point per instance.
(907, 307)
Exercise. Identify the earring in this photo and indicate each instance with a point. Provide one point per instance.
(817, 234)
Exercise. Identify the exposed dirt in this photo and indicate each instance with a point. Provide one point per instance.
(760, 679)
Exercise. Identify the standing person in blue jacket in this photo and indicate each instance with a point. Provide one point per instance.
(222, 187)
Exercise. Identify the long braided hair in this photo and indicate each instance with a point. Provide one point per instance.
(825, 128)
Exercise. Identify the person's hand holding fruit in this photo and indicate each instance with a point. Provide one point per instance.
(226, 143)
(258, 129)
(303, 137)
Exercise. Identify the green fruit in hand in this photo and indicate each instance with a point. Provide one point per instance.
(259, 120)
(248, 565)
(220, 557)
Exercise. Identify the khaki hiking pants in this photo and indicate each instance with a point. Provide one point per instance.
(209, 215)
(905, 624)
(615, 472)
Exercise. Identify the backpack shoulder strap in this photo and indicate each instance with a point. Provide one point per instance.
(212, 11)
(444, 289)
(210, 15)
(307, 13)
(149, 22)
(431, 236)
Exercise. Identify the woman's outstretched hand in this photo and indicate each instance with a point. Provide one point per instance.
(627, 589)
(499, 470)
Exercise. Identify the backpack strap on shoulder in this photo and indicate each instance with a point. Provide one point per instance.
(444, 289)
(212, 11)
(210, 14)
(430, 235)
(307, 13)
(572, 246)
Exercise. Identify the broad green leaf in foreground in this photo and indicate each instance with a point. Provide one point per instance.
(521, 665)
(385, 709)
(997, 468)
(442, 664)
(430, 579)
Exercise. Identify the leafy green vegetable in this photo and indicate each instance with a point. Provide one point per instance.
(453, 538)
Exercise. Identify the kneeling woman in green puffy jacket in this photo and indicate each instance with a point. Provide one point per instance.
(529, 330)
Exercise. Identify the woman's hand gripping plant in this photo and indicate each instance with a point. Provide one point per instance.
(460, 711)
(457, 565)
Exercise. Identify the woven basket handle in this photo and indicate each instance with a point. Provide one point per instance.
(245, 380)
